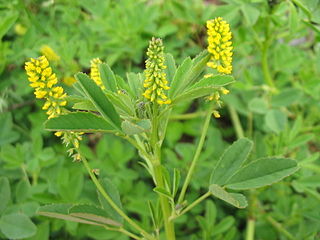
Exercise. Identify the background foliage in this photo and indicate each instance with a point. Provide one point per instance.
(275, 99)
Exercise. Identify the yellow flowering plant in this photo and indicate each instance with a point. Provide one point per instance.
(138, 110)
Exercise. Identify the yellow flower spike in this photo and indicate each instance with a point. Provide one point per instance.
(220, 45)
(216, 114)
(155, 78)
(49, 53)
(94, 72)
(44, 81)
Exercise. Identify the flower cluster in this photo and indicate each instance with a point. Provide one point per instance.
(216, 97)
(220, 45)
(94, 72)
(155, 78)
(44, 81)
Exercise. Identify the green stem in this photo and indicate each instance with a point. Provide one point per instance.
(192, 205)
(158, 176)
(280, 228)
(236, 122)
(196, 156)
(165, 206)
(112, 203)
(250, 229)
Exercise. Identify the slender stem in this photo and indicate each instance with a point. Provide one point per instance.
(250, 229)
(265, 66)
(196, 156)
(165, 206)
(112, 203)
(280, 228)
(195, 203)
(158, 176)
(236, 122)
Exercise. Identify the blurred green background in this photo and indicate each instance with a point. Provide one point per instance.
(275, 98)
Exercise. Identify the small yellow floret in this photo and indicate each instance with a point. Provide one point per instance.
(216, 114)
(220, 45)
(224, 91)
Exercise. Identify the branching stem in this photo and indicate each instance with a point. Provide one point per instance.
(196, 156)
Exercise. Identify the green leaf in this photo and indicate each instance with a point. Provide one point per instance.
(204, 87)
(107, 77)
(276, 120)
(187, 73)
(112, 191)
(84, 105)
(17, 226)
(92, 213)
(293, 18)
(7, 22)
(163, 192)
(136, 84)
(61, 211)
(179, 77)
(7, 134)
(250, 13)
(258, 105)
(171, 67)
(79, 122)
(231, 160)
(5, 193)
(136, 128)
(286, 97)
(99, 99)
(122, 102)
(262, 172)
(223, 226)
(235, 199)
(198, 65)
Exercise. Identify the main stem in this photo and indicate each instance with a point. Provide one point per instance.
(196, 156)
(112, 203)
(159, 179)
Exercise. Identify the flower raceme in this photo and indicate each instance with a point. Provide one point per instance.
(94, 72)
(44, 81)
(220, 45)
(155, 78)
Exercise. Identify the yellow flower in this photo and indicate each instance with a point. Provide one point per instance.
(43, 80)
(220, 45)
(224, 91)
(95, 73)
(49, 53)
(216, 114)
(155, 78)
